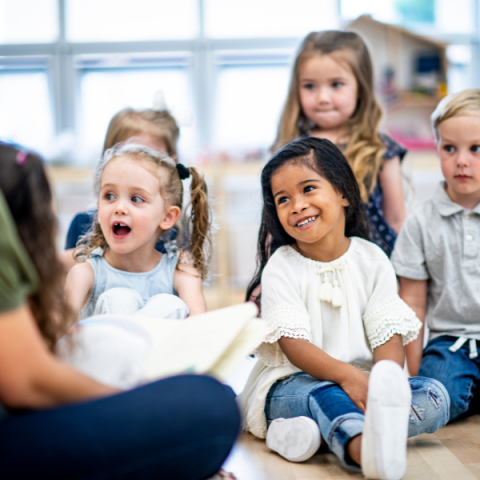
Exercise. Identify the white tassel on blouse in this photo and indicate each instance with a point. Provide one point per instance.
(328, 292)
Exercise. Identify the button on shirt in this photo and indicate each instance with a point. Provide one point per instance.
(439, 242)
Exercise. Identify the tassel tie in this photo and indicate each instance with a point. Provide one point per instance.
(328, 292)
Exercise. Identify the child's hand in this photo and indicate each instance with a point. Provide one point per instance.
(355, 386)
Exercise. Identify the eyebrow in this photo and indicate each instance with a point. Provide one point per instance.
(301, 183)
(133, 187)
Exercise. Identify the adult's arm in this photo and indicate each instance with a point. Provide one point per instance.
(414, 294)
(31, 376)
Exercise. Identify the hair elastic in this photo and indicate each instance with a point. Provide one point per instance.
(21, 157)
(183, 171)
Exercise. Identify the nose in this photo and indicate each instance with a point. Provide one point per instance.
(121, 208)
(299, 205)
(462, 159)
(323, 95)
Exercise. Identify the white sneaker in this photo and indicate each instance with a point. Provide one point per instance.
(296, 439)
(384, 439)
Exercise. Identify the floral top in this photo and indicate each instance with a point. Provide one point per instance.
(347, 308)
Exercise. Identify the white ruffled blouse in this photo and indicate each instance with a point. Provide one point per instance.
(347, 308)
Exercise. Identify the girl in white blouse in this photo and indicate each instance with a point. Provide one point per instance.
(329, 300)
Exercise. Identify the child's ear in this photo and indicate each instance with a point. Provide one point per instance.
(345, 202)
(170, 218)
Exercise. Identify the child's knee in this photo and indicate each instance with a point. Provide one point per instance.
(430, 408)
(120, 301)
(165, 306)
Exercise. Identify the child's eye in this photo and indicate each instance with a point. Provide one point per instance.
(308, 86)
(282, 200)
(449, 148)
(337, 84)
(309, 188)
(109, 196)
(475, 148)
(137, 199)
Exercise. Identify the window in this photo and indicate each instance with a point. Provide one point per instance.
(268, 18)
(28, 21)
(248, 103)
(103, 92)
(25, 116)
(127, 20)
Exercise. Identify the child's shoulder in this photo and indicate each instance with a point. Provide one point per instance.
(394, 149)
(368, 253)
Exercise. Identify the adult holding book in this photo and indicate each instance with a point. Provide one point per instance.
(56, 422)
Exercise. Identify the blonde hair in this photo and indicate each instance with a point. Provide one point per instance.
(364, 150)
(199, 221)
(456, 105)
(129, 122)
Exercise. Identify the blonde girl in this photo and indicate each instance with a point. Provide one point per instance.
(155, 128)
(331, 96)
(140, 196)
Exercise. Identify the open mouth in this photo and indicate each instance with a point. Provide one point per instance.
(306, 222)
(120, 229)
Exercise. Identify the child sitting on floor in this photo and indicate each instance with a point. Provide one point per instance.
(330, 304)
(154, 127)
(140, 197)
(438, 261)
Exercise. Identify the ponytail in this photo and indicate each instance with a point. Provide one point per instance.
(199, 223)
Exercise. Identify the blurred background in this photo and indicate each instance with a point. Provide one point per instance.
(66, 66)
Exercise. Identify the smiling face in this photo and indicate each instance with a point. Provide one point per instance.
(459, 152)
(328, 92)
(131, 210)
(310, 210)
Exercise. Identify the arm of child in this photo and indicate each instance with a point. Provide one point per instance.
(67, 260)
(78, 286)
(414, 294)
(189, 287)
(312, 360)
(391, 350)
(392, 186)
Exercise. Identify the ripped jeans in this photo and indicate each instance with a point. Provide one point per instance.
(338, 417)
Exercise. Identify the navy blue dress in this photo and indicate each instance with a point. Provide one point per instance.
(83, 221)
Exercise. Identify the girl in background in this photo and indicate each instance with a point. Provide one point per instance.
(330, 304)
(331, 96)
(71, 425)
(140, 197)
(155, 128)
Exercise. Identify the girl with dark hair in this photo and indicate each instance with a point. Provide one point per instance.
(330, 303)
(69, 425)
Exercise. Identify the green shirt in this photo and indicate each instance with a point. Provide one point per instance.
(18, 277)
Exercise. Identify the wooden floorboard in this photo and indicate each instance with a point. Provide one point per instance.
(452, 453)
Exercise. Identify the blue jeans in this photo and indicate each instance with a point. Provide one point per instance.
(457, 371)
(338, 417)
(179, 428)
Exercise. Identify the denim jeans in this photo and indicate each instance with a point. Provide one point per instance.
(338, 417)
(179, 428)
(457, 371)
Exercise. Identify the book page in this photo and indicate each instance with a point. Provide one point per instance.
(196, 344)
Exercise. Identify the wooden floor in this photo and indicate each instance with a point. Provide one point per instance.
(452, 453)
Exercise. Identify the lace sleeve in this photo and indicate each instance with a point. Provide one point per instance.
(393, 316)
(282, 321)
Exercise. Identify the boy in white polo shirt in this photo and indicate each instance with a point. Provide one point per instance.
(437, 259)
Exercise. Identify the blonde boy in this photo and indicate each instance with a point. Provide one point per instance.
(437, 258)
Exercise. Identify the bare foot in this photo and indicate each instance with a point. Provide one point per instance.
(355, 449)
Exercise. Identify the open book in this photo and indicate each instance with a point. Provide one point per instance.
(127, 351)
